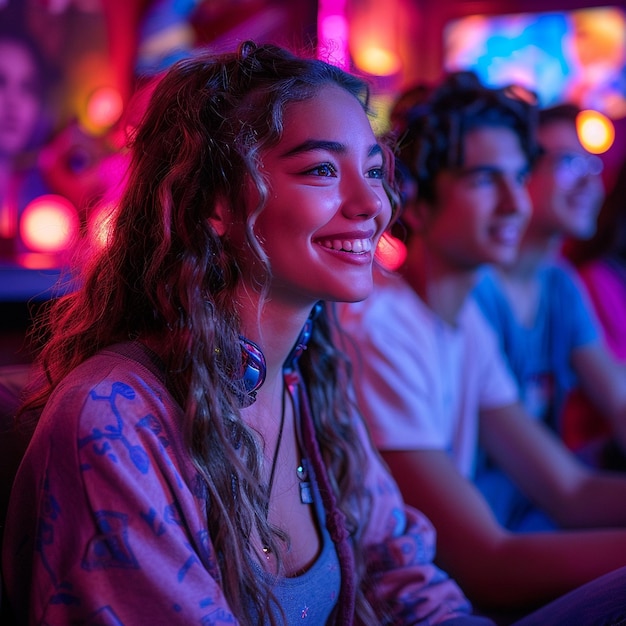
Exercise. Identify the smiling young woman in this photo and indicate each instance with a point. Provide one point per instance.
(197, 456)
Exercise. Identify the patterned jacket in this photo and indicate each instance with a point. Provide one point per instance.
(107, 521)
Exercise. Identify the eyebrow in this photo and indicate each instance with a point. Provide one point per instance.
(311, 145)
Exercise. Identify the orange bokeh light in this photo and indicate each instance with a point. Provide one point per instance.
(104, 109)
(377, 61)
(595, 131)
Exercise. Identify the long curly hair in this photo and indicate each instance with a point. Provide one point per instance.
(166, 273)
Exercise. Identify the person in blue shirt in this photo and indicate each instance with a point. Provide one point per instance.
(538, 306)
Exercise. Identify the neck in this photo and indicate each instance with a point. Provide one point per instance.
(440, 283)
(275, 328)
(534, 251)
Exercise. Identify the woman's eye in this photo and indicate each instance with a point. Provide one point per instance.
(325, 169)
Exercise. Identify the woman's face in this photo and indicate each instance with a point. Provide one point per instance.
(19, 101)
(327, 207)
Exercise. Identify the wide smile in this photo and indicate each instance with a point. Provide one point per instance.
(354, 246)
(507, 234)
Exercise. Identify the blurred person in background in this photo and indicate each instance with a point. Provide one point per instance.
(23, 81)
(538, 307)
(432, 381)
(601, 264)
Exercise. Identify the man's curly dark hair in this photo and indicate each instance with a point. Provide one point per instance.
(430, 129)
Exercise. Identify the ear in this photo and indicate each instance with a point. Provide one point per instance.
(221, 218)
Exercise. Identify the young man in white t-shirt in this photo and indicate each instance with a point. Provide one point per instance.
(432, 383)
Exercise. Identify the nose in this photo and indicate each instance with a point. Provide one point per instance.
(363, 198)
(514, 197)
(591, 177)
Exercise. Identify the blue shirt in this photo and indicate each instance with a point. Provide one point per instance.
(539, 355)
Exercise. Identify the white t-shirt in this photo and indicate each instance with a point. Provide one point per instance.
(420, 382)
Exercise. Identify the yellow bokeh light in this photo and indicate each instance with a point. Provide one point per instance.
(595, 131)
(377, 61)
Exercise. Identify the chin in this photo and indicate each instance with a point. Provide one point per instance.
(581, 225)
(583, 232)
(356, 290)
(356, 298)
(354, 295)
(505, 258)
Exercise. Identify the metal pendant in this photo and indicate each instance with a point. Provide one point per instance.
(306, 493)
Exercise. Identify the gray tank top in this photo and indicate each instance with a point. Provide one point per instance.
(310, 597)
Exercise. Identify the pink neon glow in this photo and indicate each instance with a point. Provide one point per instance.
(390, 252)
(48, 224)
(332, 32)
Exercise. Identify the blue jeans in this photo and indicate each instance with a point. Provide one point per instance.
(601, 602)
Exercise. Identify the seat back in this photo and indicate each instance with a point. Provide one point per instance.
(13, 379)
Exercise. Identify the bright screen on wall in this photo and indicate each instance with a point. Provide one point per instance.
(577, 56)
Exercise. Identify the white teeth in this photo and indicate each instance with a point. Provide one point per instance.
(349, 245)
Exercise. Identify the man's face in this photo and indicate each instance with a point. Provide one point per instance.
(482, 208)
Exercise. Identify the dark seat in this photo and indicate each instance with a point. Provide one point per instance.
(13, 444)
(13, 378)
